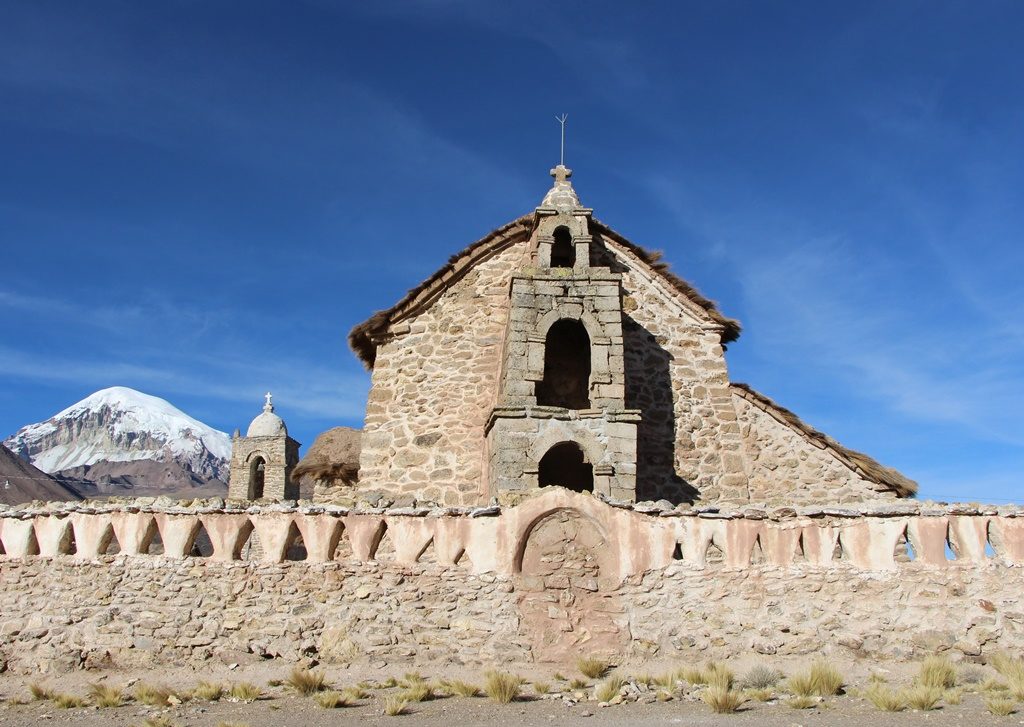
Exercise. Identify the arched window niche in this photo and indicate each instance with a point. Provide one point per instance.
(257, 475)
(565, 465)
(566, 381)
(563, 253)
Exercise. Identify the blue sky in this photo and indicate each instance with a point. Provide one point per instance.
(199, 200)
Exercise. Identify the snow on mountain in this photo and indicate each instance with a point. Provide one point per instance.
(123, 425)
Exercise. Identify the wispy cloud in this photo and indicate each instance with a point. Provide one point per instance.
(859, 318)
(311, 389)
(168, 347)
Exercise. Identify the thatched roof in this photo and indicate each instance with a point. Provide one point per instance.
(363, 337)
(859, 462)
(653, 259)
(334, 457)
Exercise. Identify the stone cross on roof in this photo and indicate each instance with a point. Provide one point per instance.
(561, 195)
(269, 406)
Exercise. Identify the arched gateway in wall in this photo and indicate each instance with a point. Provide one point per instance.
(565, 601)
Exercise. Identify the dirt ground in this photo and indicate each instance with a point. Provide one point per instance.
(279, 705)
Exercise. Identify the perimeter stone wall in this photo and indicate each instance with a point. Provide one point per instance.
(558, 576)
(61, 614)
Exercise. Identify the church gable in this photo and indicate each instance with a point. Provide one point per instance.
(554, 351)
(433, 384)
(364, 337)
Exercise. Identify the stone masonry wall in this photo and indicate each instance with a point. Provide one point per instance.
(911, 613)
(688, 441)
(433, 387)
(562, 574)
(60, 614)
(784, 468)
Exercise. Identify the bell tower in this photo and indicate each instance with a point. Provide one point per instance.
(561, 417)
(262, 460)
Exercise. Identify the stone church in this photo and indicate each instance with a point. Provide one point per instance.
(554, 351)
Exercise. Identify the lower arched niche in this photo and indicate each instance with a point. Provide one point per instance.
(566, 465)
(566, 606)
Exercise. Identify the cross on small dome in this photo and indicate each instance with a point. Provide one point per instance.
(561, 195)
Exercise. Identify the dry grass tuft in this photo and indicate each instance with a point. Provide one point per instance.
(160, 721)
(922, 697)
(106, 695)
(417, 692)
(67, 701)
(826, 679)
(306, 681)
(245, 691)
(800, 685)
(1009, 667)
(886, 699)
(953, 696)
(502, 687)
(541, 687)
(692, 675)
(666, 680)
(822, 680)
(719, 676)
(394, 706)
(154, 696)
(411, 679)
(937, 671)
(332, 700)
(993, 685)
(760, 695)
(802, 702)
(722, 701)
(592, 667)
(1000, 707)
(609, 689)
(356, 693)
(579, 684)
(208, 691)
(761, 677)
(663, 696)
(40, 693)
(465, 689)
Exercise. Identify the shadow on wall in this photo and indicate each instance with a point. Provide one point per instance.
(649, 389)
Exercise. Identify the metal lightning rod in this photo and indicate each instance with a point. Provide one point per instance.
(561, 120)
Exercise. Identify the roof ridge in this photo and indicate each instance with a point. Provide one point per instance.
(361, 336)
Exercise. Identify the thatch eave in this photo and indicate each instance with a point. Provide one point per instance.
(730, 327)
(365, 337)
(862, 464)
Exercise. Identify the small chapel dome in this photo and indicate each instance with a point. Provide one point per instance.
(267, 424)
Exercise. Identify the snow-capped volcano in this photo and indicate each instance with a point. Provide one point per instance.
(115, 432)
